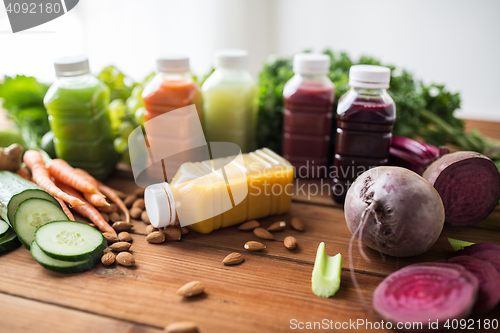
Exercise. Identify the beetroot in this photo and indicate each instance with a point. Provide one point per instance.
(488, 277)
(469, 185)
(395, 211)
(423, 292)
(477, 248)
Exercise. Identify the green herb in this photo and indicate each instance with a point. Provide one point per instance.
(458, 244)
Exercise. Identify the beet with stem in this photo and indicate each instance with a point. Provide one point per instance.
(469, 185)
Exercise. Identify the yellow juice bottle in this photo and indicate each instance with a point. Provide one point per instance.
(218, 193)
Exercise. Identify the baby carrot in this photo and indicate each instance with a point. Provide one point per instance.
(34, 160)
(66, 209)
(65, 173)
(88, 210)
(95, 199)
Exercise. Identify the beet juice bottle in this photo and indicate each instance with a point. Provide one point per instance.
(365, 116)
(309, 96)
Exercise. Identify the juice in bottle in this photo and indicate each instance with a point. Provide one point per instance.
(308, 96)
(258, 185)
(172, 88)
(230, 101)
(365, 116)
(77, 104)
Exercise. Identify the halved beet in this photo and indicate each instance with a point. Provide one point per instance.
(423, 292)
(469, 185)
(476, 248)
(488, 277)
(491, 256)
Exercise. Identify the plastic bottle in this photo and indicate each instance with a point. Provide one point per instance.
(309, 96)
(222, 192)
(77, 104)
(172, 88)
(365, 116)
(230, 101)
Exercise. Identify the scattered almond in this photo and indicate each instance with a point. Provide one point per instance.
(120, 246)
(135, 213)
(184, 230)
(233, 259)
(263, 233)
(297, 224)
(122, 226)
(290, 242)
(124, 237)
(105, 209)
(145, 217)
(105, 216)
(111, 238)
(156, 237)
(120, 194)
(114, 216)
(172, 233)
(125, 259)
(108, 258)
(254, 246)
(192, 288)
(107, 250)
(150, 229)
(277, 226)
(249, 226)
(139, 192)
(182, 327)
(114, 207)
(139, 203)
(129, 200)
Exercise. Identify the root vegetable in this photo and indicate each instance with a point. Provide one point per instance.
(10, 157)
(469, 185)
(395, 211)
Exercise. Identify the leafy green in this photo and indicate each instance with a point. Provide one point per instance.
(119, 84)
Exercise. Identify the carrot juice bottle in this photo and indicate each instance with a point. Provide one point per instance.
(172, 88)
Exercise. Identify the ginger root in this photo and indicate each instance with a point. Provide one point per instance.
(10, 157)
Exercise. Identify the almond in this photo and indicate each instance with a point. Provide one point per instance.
(106, 250)
(263, 233)
(125, 259)
(111, 238)
(233, 259)
(277, 226)
(290, 242)
(254, 246)
(139, 203)
(122, 226)
(135, 213)
(105, 209)
(172, 233)
(139, 192)
(124, 237)
(184, 230)
(120, 194)
(156, 237)
(120, 246)
(297, 224)
(108, 258)
(145, 217)
(105, 216)
(114, 216)
(150, 229)
(182, 327)
(192, 288)
(249, 226)
(129, 200)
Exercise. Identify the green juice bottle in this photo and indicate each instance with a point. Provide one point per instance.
(77, 104)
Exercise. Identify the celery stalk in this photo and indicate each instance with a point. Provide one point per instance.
(326, 273)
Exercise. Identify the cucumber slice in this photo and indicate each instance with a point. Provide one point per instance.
(4, 227)
(70, 240)
(9, 241)
(33, 213)
(61, 266)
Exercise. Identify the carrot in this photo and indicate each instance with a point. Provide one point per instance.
(34, 160)
(88, 210)
(65, 173)
(66, 209)
(25, 173)
(98, 200)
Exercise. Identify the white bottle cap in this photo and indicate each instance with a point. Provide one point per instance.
(71, 65)
(369, 76)
(173, 63)
(311, 63)
(231, 59)
(160, 205)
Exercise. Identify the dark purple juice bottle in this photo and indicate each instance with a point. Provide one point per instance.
(365, 116)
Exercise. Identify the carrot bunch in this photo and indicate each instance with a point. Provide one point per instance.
(65, 182)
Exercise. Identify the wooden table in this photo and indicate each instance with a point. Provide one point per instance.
(269, 292)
